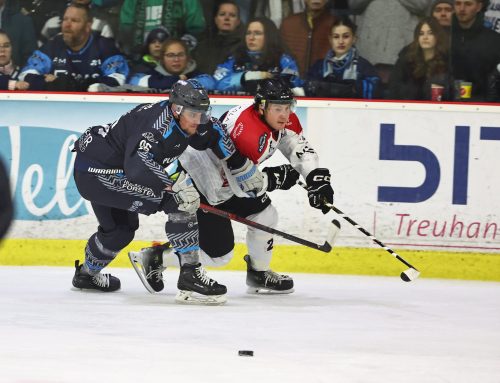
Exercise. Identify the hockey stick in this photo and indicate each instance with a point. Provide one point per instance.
(409, 275)
(326, 247)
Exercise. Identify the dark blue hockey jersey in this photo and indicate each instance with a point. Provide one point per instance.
(99, 61)
(145, 141)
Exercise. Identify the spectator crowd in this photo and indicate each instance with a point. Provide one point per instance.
(371, 49)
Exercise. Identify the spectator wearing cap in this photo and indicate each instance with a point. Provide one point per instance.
(475, 50)
(175, 64)
(222, 42)
(179, 17)
(151, 50)
(306, 33)
(442, 11)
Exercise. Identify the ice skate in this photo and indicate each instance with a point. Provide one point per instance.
(196, 287)
(267, 282)
(102, 282)
(148, 264)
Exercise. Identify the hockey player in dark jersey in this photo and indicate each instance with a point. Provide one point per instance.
(258, 131)
(131, 166)
(76, 59)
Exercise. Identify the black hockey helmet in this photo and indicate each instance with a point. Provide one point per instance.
(191, 98)
(275, 91)
(191, 94)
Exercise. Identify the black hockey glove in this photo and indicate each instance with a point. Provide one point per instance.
(319, 189)
(281, 177)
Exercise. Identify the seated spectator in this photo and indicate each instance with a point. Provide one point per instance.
(475, 49)
(227, 35)
(75, 60)
(175, 64)
(20, 30)
(343, 72)
(423, 65)
(9, 71)
(442, 11)
(262, 55)
(151, 50)
(306, 33)
(179, 17)
(53, 25)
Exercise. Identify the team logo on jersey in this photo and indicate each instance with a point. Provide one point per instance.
(150, 137)
(262, 143)
(238, 130)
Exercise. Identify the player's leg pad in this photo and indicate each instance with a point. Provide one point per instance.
(196, 287)
(267, 282)
(148, 264)
(99, 281)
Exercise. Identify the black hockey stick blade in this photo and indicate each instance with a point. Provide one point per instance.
(326, 247)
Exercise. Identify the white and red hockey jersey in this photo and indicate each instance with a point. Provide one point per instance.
(256, 140)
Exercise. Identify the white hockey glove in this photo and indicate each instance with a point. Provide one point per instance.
(250, 179)
(185, 194)
(281, 177)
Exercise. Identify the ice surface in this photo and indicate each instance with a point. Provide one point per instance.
(332, 329)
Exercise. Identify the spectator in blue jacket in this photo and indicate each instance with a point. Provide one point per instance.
(343, 72)
(175, 64)
(9, 71)
(76, 59)
(262, 55)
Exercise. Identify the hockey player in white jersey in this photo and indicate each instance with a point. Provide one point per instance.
(257, 132)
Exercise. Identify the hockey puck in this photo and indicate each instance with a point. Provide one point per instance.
(245, 353)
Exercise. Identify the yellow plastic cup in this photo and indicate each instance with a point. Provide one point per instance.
(465, 89)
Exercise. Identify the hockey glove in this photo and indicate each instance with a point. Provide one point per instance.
(319, 189)
(281, 177)
(250, 179)
(185, 194)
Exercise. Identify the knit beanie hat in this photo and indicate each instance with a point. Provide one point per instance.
(436, 2)
(159, 34)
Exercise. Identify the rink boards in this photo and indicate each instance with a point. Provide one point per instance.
(422, 177)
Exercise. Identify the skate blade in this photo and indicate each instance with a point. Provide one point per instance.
(266, 291)
(192, 298)
(135, 260)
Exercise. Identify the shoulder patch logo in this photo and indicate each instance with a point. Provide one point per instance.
(262, 142)
(238, 130)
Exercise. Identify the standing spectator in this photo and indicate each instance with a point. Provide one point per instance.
(422, 65)
(262, 55)
(343, 72)
(75, 60)
(9, 71)
(385, 26)
(492, 16)
(178, 17)
(6, 204)
(20, 30)
(39, 11)
(175, 64)
(223, 41)
(53, 25)
(275, 10)
(442, 11)
(475, 49)
(306, 33)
